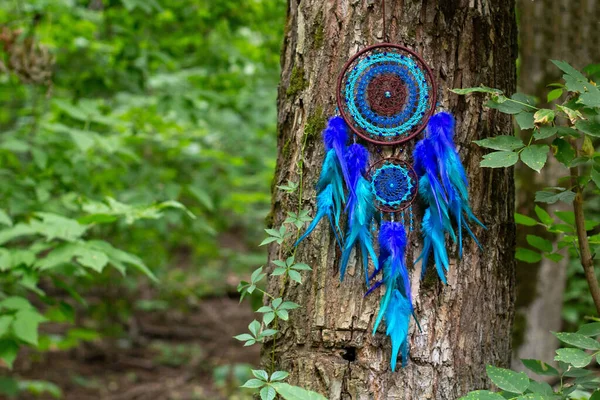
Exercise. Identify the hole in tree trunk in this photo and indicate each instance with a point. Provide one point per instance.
(349, 353)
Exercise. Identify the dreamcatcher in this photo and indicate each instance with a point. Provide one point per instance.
(386, 95)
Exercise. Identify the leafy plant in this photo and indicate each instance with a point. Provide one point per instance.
(277, 309)
(566, 131)
(573, 380)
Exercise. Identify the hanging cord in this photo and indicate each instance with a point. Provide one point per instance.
(385, 35)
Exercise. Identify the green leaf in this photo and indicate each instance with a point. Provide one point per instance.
(566, 196)
(288, 305)
(556, 257)
(254, 327)
(544, 132)
(480, 89)
(524, 220)
(16, 303)
(528, 256)
(535, 156)
(505, 379)
(295, 276)
(5, 322)
(25, 326)
(578, 340)
(591, 128)
(591, 99)
(540, 367)
(569, 70)
(576, 357)
(268, 332)
(256, 274)
(260, 374)
(268, 240)
(289, 392)
(482, 395)
(40, 387)
(120, 259)
(279, 376)
(539, 243)
(301, 267)
(554, 94)
(499, 159)
(595, 395)
(8, 351)
(268, 317)
(595, 175)
(566, 216)
(267, 393)
(243, 337)
(283, 314)
(500, 143)
(525, 120)
(543, 215)
(563, 151)
(5, 219)
(253, 384)
(202, 196)
(532, 396)
(592, 329)
(540, 388)
(543, 116)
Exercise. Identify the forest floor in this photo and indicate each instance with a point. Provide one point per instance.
(174, 356)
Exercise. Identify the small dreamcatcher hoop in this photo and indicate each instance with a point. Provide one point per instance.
(386, 94)
(394, 184)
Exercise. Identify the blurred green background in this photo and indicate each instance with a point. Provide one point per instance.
(114, 116)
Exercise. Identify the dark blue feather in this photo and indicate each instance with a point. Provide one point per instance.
(443, 187)
(335, 137)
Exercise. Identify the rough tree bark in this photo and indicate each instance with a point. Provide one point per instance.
(545, 35)
(327, 344)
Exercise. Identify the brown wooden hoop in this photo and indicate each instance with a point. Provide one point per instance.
(432, 98)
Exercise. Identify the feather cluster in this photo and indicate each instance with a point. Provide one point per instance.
(443, 187)
(361, 211)
(334, 172)
(396, 304)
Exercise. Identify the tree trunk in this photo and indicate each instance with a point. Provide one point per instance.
(545, 35)
(327, 344)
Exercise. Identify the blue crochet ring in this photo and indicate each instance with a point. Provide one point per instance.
(386, 94)
(394, 184)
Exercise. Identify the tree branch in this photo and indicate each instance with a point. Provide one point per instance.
(584, 246)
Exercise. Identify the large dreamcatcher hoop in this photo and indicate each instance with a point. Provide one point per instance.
(386, 94)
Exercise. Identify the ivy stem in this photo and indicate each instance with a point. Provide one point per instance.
(585, 254)
(300, 166)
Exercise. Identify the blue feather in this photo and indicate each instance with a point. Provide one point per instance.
(358, 233)
(396, 304)
(443, 186)
(330, 187)
(397, 319)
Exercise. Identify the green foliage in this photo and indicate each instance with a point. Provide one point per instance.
(567, 130)
(277, 309)
(575, 381)
(137, 134)
(271, 385)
